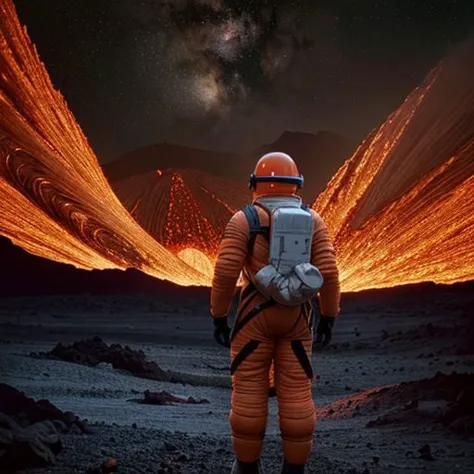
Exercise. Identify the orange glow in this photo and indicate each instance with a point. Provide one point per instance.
(401, 210)
(183, 209)
(197, 260)
(55, 201)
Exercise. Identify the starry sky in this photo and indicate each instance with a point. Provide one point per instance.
(234, 74)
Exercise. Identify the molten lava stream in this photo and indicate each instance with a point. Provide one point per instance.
(56, 203)
(401, 210)
(182, 208)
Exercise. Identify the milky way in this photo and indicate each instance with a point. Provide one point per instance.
(234, 74)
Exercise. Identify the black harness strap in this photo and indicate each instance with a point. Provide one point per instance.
(245, 305)
(252, 217)
(255, 227)
(250, 315)
(250, 347)
(302, 356)
(249, 293)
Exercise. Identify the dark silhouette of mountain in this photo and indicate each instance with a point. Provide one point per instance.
(318, 156)
(24, 274)
(162, 156)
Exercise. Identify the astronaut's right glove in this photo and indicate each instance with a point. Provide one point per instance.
(324, 330)
(222, 331)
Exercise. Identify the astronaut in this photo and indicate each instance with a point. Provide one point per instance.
(283, 251)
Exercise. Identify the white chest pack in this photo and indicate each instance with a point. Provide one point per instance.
(289, 278)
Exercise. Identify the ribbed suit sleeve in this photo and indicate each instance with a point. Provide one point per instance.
(230, 261)
(323, 256)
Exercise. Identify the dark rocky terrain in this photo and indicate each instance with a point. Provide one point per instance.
(393, 390)
(24, 274)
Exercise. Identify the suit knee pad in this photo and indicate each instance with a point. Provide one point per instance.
(301, 429)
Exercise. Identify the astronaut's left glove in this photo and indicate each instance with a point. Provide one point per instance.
(324, 330)
(222, 331)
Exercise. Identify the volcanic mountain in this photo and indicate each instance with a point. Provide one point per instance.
(182, 208)
(318, 156)
(166, 155)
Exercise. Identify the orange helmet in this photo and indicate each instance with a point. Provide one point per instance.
(278, 173)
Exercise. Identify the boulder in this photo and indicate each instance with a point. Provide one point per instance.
(95, 351)
(23, 448)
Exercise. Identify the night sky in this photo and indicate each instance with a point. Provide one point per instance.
(234, 74)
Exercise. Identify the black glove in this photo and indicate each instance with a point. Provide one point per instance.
(222, 331)
(324, 330)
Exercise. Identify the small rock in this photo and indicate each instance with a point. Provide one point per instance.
(75, 430)
(182, 458)
(60, 426)
(69, 418)
(413, 404)
(109, 466)
(171, 448)
(425, 453)
(83, 425)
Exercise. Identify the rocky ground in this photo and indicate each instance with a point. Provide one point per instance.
(381, 339)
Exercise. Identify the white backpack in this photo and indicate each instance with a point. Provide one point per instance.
(289, 278)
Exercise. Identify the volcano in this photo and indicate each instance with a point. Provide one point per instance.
(182, 208)
(318, 156)
(166, 155)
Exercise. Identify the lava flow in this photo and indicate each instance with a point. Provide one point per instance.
(55, 201)
(182, 209)
(401, 209)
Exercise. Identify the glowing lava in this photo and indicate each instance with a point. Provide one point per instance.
(183, 208)
(197, 260)
(402, 208)
(55, 201)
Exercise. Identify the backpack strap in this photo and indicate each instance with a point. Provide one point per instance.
(255, 227)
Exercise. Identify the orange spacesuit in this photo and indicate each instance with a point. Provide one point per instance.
(267, 332)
